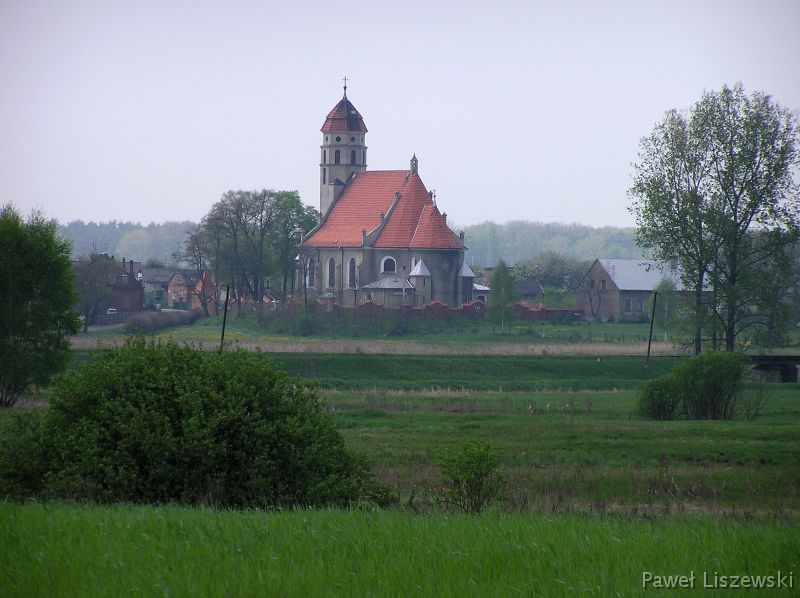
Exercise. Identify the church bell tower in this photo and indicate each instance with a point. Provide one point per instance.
(343, 150)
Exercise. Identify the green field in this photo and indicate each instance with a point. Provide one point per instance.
(565, 430)
(595, 495)
(144, 551)
(582, 450)
(454, 332)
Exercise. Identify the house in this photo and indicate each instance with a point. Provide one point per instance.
(127, 294)
(619, 289)
(156, 281)
(529, 290)
(188, 289)
(381, 237)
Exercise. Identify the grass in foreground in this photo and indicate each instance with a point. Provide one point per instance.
(57, 549)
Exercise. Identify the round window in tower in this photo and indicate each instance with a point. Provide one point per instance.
(352, 139)
(338, 139)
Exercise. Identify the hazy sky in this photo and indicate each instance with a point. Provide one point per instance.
(149, 111)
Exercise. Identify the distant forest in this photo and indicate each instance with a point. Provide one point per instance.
(488, 242)
(521, 240)
(136, 242)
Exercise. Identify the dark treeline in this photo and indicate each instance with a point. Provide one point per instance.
(513, 242)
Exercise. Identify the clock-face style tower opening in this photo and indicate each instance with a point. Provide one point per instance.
(343, 150)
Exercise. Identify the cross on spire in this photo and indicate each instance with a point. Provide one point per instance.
(345, 85)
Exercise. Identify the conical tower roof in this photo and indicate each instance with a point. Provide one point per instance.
(344, 117)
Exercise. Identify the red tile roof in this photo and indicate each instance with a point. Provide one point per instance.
(433, 232)
(413, 221)
(344, 117)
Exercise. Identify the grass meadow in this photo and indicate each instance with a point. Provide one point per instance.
(81, 550)
(595, 495)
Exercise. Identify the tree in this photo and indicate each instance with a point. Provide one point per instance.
(666, 305)
(194, 251)
(716, 190)
(501, 309)
(38, 293)
(293, 220)
(251, 238)
(95, 276)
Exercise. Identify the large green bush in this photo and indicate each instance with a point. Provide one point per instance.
(706, 386)
(158, 422)
(660, 398)
(711, 383)
(470, 480)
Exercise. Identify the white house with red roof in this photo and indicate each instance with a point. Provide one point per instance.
(381, 237)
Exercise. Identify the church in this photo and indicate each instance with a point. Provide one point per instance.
(381, 237)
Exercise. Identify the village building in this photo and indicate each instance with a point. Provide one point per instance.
(381, 238)
(620, 289)
(188, 289)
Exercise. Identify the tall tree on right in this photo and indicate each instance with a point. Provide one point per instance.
(715, 189)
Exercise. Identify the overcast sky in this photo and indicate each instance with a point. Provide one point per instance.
(149, 111)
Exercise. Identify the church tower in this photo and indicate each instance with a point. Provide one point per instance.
(343, 150)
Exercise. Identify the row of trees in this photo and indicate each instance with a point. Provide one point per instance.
(512, 242)
(715, 189)
(249, 239)
(518, 240)
(156, 241)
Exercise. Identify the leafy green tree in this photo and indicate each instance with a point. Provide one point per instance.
(716, 190)
(38, 295)
(666, 303)
(752, 156)
(95, 276)
(194, 251)
(501, 309)
(673, 205)
(293, 220)
(251, 238)
(553, 269)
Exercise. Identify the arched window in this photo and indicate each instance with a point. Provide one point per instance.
(351, 274)
(324, 176)
(337, 158)
(324, 156)
(352, 156)
(331, 273)
(388, 265)
(310, 274)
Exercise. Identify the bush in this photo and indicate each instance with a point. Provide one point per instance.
(155, 422)
(660, 398)
(148, 322)
(711, 384)
(707, 386)
(470, 479)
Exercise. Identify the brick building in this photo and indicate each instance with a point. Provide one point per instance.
(381, 237)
